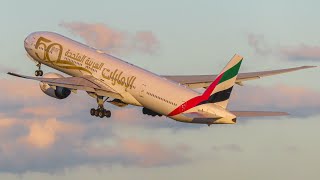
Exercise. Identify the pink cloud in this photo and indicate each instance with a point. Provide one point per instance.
(43, 134)
(23, 98)
(295, 100)
(6, 123)
(105, 38)
(50, 145)
(20, 89)
(130, 115)
(47, 111)
(301, 52)
(150, 153)
(141, 153)
(133, 116)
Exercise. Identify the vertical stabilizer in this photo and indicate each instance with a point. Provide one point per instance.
(220, 89)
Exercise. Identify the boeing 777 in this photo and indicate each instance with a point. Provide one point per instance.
(107, 78)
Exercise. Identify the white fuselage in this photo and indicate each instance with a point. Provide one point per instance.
(137, 86)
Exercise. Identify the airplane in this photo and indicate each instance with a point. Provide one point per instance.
(110, 79)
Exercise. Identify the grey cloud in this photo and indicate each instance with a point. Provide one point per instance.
(227, 147)
(291, 149)
(258, 43)
(301, 52)
(53, 141)
(52, 146)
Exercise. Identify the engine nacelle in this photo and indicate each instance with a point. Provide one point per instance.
(58, 92)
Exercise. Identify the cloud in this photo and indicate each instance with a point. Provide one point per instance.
(145, 41)
(45, 111)
(134, 152)
(133, 116)
(292, 53)
(258, 43)
(6, 123)
(51, 145)
(22, 89)
(302, 52)
(297, 101)
(291, 149)
(227, 147)
(108, 39)
(42, 134)
(35, 141)
(151, 153)
(24, 99)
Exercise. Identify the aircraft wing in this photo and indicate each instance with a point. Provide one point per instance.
(258, 113)
(203, 81)
(85, 83)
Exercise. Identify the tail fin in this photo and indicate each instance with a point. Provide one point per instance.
(220, 89)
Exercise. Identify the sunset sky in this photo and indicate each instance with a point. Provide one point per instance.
(46, 138)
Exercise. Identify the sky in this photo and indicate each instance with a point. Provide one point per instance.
(46, 138)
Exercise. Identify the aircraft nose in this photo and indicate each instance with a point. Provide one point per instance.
(28, 42)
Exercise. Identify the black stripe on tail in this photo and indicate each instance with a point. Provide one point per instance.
(218, 96)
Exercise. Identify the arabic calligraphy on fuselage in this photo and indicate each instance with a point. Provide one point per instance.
(82, 58)
(117, 77)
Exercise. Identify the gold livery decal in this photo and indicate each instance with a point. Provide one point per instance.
(117, 78)
(52, 53)
(56, 60)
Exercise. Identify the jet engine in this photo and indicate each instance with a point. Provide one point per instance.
(55, 92)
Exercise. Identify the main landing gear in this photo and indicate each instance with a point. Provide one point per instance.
(100, 111)
(38, 72)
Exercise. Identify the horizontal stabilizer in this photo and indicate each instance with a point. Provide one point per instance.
(257, 113)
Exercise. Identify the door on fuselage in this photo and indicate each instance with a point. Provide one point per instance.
(142, 92)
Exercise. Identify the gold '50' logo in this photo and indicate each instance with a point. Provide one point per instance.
(48, 49)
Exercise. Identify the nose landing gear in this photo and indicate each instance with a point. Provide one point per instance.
(100, 111)
(38, 72)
